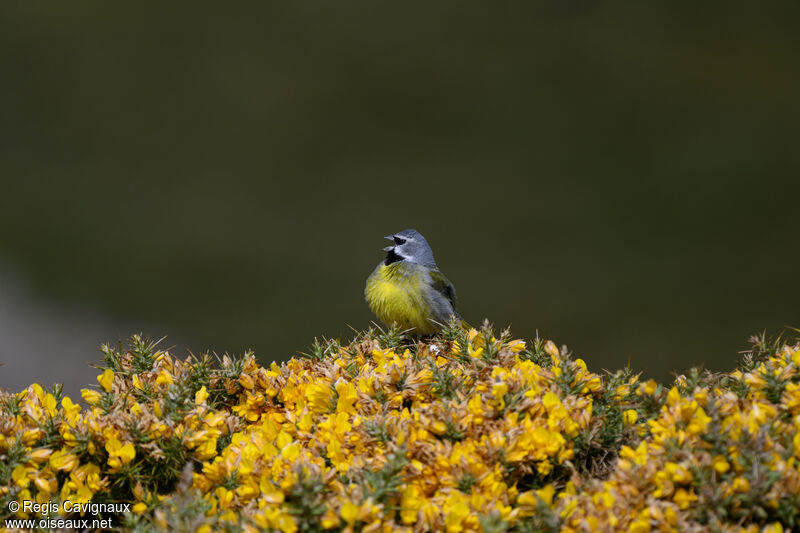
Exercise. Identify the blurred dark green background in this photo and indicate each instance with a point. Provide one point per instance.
(621, 177)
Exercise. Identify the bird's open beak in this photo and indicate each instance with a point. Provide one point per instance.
(388, 248)
(390, 237)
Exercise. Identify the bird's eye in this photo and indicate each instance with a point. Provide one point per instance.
(399, 240)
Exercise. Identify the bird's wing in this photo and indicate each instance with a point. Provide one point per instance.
(443, 286)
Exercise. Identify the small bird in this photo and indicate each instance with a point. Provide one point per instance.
(407, 288)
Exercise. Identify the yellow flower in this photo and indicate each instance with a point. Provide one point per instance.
(775, 527)
(246, 381)
(330, 519)
(638, 456)
(291, 452)
(684, 498)
(283, 522)
(201, 396)
(796, 358)
(411, 503)
(527, 499)
(164, 378)
(63, 460)
(640, 525)
(455, 510)
(20, 476)
(678, 473)
(349, 512)
(474, 352)
(106, 379)
(91, 396)
(671, 516)
(32, 436)
(699, 422)
(720, 464)
(41, 455)
(499, 390)
(347, 397)
(673, 396)
(516, 345)
(71, 410)
(49, 404)
(649, 387)
(630, 416)
(206, 450)
(306, 422)
(741, 484)
(604, 499)
(320, 397)
(532, 498)
(119, 454)
(702, 397)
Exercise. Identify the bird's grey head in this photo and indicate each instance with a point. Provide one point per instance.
(409, 246)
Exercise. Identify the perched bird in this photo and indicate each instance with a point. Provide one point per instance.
(407, 288)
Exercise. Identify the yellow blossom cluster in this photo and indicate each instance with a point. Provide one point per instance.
(722, 454)
(390, 445)
(464, 432)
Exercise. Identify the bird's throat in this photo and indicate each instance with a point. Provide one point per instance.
(392, 257)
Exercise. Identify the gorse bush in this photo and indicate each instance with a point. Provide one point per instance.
(471, 430)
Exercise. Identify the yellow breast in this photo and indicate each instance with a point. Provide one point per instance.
(396, 294)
